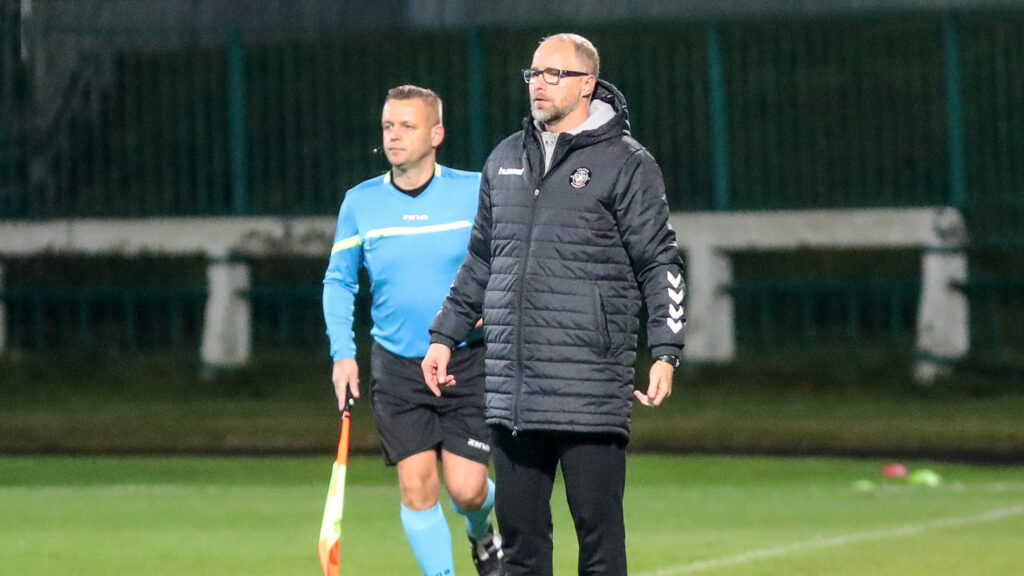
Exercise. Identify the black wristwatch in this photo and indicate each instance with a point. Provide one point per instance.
(670, 358)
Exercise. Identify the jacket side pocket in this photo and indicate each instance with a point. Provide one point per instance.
(602, 321)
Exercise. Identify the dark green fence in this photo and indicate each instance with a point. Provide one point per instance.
(62, 319)
(776, 316)
(13, 110)
(69, 306)
(110, 318)
(772, 316)
(997, 313)
(992, 56)
(89, 305)
(893, 110)
(821, 301)
(900, 110)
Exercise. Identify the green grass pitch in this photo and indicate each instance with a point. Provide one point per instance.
(711, 515)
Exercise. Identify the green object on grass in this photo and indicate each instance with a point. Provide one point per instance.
(864, 486)
(925, 477)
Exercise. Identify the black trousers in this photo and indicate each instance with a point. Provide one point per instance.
(594, 470)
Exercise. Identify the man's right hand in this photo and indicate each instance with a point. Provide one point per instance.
(345, 374)
(435, 368)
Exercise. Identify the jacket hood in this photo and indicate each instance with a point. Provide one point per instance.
(619, 123)
(608, 93)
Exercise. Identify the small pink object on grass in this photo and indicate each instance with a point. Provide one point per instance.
(896, 470)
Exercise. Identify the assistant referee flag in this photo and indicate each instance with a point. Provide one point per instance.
(330, 527)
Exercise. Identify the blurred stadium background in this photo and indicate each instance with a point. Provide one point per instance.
(121, 120)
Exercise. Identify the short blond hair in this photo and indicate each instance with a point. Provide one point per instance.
(585, 50)
(410, 92)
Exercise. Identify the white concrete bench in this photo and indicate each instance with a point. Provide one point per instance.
(708, 239)
(227, 329)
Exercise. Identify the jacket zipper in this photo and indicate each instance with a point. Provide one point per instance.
(522, 287)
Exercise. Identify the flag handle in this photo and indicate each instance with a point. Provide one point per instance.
(330, 528)
(346, 423)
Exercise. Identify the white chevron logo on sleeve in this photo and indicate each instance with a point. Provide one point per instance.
(675, 310)
(676, 295)
(675, 325)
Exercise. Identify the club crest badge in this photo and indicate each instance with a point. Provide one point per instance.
(579, 178)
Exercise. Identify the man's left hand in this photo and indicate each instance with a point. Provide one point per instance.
(660, 386)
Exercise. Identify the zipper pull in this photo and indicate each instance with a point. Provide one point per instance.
(536, 192)
(515, 431)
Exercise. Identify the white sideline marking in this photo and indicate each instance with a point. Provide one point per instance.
(843, 540)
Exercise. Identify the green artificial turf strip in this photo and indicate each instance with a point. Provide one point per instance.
(685, 514)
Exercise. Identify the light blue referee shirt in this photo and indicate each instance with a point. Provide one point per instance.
(411, 248)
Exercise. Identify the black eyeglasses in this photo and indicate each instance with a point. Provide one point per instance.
(551, 75)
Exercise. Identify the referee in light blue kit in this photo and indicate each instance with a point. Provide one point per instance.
(410, 229)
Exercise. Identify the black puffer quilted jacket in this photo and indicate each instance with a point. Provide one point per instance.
(559, 265)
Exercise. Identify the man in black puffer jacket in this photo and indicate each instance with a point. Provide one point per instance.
(571, 237)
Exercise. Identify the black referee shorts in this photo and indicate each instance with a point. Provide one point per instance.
(410, 419)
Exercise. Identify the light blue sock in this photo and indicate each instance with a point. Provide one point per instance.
(478, 521)
(430, 539)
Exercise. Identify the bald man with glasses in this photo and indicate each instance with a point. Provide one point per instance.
(571, 238)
